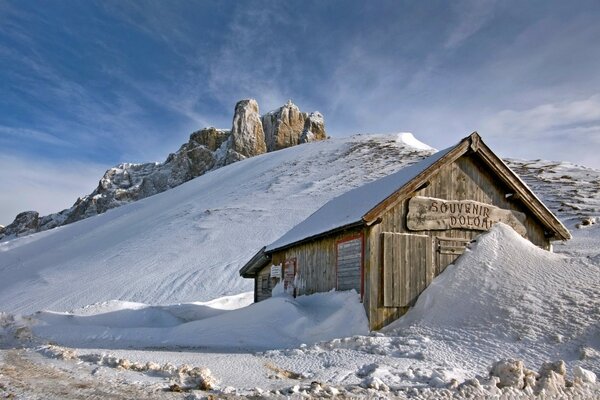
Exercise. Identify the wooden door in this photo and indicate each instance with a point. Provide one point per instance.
(349, 264)
(407, 267)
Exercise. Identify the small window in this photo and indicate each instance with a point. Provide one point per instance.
(349, 256)
(264, 284)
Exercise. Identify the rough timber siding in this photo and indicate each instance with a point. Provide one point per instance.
(465, 179)
(407, 267)
(316, 263)
(261, 294)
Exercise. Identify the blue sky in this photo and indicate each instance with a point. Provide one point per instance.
(85, 85)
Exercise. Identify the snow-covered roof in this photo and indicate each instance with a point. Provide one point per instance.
(349, 208)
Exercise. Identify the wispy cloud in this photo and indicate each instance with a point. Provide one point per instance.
(11, 134)
(472, 16)
(249, 63)
(567, 116)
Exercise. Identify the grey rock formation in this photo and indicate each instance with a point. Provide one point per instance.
(314, 128)
(283, 127)
(206, 149)
(247, 134)
(25, 223)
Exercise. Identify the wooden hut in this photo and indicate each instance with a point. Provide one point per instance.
(389, 238)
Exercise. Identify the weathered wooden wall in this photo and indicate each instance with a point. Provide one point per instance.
(407, 267)
(465, 179)
(315, 264)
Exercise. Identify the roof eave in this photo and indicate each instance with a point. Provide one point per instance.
(539, 209)
(256, 263)
(418, 181)
(351, 225)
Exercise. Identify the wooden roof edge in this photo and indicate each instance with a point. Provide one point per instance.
(257, 262)
(461, 148)
(350, 225)
(539, 209)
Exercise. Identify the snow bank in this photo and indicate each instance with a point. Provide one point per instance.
(409, 139)
(274, 323)
(506, 297)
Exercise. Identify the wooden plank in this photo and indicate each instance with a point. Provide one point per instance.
(405, 267)
(388, 263)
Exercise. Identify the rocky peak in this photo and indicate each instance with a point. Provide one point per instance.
(207, 149)
(284, 126)
(247, 134)
(314, 128)
(211, 138)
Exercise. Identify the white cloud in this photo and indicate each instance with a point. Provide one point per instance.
(46, 187)
(569, 117)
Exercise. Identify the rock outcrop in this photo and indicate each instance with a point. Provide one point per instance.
(25, 223)
(314, 128)
(207, 149)
(247, 134)
(288, 126)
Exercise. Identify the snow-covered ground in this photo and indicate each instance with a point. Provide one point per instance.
(188, 243)
(133, 317)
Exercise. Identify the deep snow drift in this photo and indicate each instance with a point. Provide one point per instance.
(506, 298)
(280, 322)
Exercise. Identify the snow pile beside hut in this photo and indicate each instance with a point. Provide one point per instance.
(278, 323)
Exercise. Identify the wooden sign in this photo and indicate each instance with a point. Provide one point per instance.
(428, 213)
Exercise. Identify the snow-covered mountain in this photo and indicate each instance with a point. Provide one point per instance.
(206, 150)
(187, 243)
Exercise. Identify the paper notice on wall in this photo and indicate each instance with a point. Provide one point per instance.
(276, 271)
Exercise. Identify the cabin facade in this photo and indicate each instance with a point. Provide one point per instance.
(389, 238)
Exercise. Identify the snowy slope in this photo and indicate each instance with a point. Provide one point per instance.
(187, 244)
(504, 298)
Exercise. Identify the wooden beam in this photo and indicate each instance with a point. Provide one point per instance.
(417, 182)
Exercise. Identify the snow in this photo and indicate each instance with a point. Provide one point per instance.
(278, 322)
(522, 302)
(410, 140)
(187, 244)
(156, 302)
